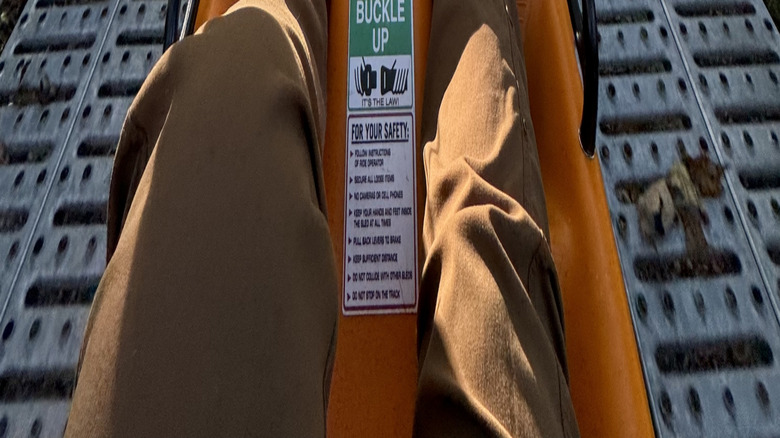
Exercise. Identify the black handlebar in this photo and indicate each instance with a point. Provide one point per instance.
(583, 22)
(172, 22)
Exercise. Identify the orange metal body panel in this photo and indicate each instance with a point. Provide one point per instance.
(375, 374)
(606, 380)
(208, 9)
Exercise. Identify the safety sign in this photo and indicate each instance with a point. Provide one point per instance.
(380, 206)
(381, 82)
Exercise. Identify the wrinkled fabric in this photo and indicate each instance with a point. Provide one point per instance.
(217, 311)
(491, 344)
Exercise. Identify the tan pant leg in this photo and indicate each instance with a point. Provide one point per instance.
(492, 350)
(216, 315)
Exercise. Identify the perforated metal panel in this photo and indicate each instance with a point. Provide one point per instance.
(693, 78)
(67, 77)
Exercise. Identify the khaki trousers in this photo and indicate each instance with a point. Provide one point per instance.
(216, 316)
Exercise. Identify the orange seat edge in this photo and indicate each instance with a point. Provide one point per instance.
(606, 380)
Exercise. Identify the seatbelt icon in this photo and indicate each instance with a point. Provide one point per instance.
(365, 79)
(394, 81)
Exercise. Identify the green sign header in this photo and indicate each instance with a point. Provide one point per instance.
(380, 27)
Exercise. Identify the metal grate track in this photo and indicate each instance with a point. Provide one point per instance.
(692, 78)
(67, 77)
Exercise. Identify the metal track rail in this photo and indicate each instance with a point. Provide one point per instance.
(67, 77)
(682, 78)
